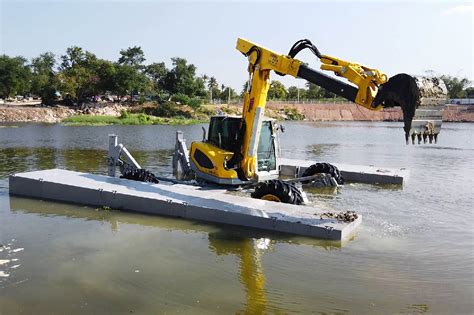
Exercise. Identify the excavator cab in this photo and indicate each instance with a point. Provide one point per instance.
(223, 147)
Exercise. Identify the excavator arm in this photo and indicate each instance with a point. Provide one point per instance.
(421, 99)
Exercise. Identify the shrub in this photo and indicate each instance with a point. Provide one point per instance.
(166, 109)
(181, 98)
(195, 103)
(124, 114)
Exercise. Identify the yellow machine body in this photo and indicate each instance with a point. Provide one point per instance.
(238, 164)
(216, 156)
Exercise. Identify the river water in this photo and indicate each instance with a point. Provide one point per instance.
(413, 252)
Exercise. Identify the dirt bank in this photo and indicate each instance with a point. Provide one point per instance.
(351, 112)
(53, 114)
(313, 112)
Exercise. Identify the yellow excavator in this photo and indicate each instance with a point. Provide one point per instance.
(240, 150)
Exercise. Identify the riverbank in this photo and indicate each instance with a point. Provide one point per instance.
(147, 114)
(55, 114)
(350, 112)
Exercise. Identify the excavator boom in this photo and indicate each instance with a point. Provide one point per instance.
(421, 99)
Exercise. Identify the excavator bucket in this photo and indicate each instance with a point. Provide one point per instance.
(422, 101)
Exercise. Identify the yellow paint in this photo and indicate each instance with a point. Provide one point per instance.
(217, 156)
(271, 197)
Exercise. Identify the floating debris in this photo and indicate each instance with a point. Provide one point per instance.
(346, 216)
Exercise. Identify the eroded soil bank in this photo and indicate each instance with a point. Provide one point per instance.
(53, 114)
(311, 112)
(350, 112)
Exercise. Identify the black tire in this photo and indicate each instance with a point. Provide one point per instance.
(325, 168)
(140, 174)
(279, 191)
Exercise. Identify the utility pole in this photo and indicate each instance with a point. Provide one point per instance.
(228, 97)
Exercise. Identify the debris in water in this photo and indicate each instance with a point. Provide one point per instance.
(346, 216)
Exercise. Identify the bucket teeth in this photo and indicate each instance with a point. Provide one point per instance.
(429, 108)
(422, 101)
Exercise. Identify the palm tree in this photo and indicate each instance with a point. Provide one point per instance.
(211, 85)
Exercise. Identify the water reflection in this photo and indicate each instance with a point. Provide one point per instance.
(249, 252)
(247, 245)
(17, 160)
(227, 238)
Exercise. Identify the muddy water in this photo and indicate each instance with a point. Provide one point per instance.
(413, 253)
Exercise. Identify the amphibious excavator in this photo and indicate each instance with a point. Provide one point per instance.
(244, 150)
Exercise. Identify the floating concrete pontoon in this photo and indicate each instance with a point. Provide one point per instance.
(178, 200)
(350, 173)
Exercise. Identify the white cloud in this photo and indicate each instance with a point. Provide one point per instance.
(460, 9)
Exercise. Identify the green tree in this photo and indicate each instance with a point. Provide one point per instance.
(227, 94)
(128, 80)
(182, 79)
(200, 87)
(78, 78)
(469, 92)
(15, 76)
(106, 72)
(74, 57)
(132, 56)
(213, 88)
(157, 73)
(131, 78)
(44, 82)
(295, 92)
(277, 91)
(313, 91)
(455, 86)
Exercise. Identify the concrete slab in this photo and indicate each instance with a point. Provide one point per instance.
(351, 173)
(178, 201)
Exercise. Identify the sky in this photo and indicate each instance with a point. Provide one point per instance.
(392, 36)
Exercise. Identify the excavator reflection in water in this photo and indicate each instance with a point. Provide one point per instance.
(249, 253)
(247, 245)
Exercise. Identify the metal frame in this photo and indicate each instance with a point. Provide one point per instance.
(113, 157)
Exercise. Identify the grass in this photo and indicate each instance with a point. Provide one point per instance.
(200, 115)
(126, 119)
